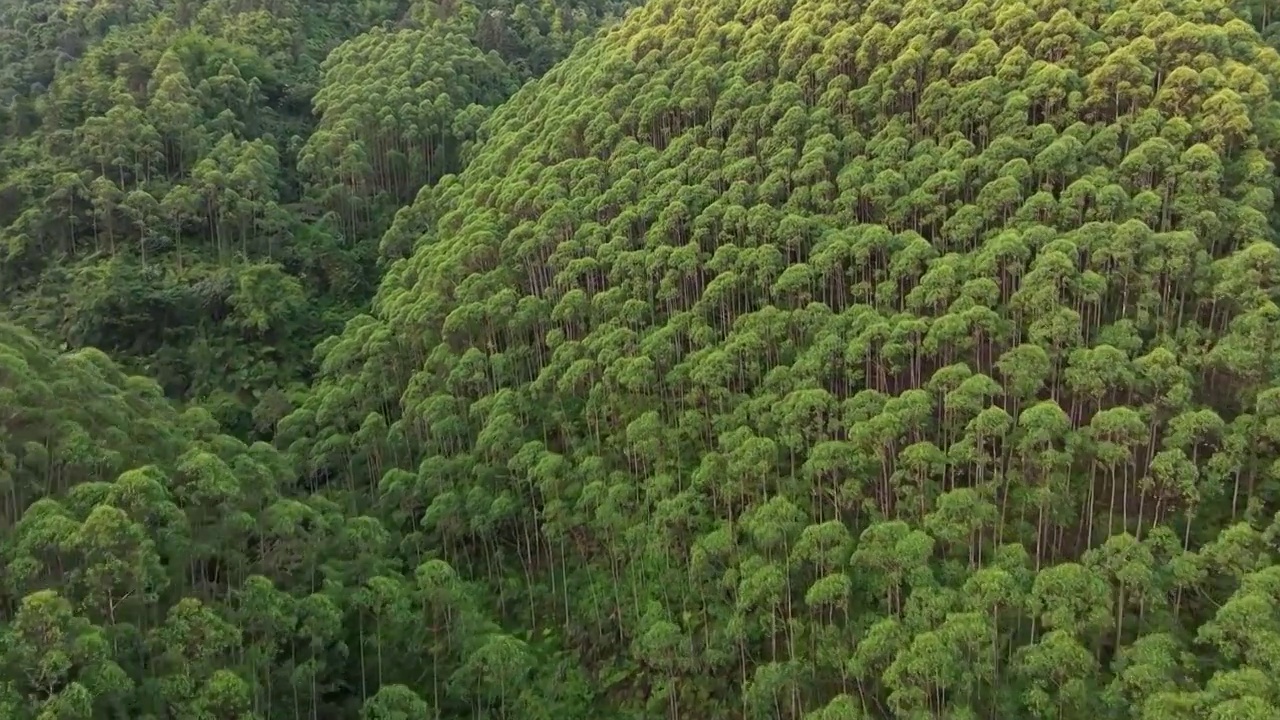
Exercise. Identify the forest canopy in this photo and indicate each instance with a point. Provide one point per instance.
(771, 360)
(155, 159)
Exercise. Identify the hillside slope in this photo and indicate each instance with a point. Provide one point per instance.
(902, 360)
(200, 191)
(122, 527)
(153, 567)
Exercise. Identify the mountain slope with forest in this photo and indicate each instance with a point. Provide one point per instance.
(905, 361)
(155, 567)
(778, 360)
(201, 190)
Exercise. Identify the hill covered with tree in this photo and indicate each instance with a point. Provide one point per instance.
(155, 567)
(778, 360)
(886, 360)
(200, 190)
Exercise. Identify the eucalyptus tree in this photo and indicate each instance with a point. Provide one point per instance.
(896, 360)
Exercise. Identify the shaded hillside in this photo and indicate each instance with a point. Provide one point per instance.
(154, 567)
(767, 361)
(200, 190)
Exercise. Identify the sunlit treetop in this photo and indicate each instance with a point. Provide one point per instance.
(758, 310)
(765, 197)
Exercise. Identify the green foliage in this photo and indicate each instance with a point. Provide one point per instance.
(395, 109)
(152, 155)
(154, 564)
(805, 359)
(787, 360)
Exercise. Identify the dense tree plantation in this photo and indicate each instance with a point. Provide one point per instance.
(765, 360)
(200, 186)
